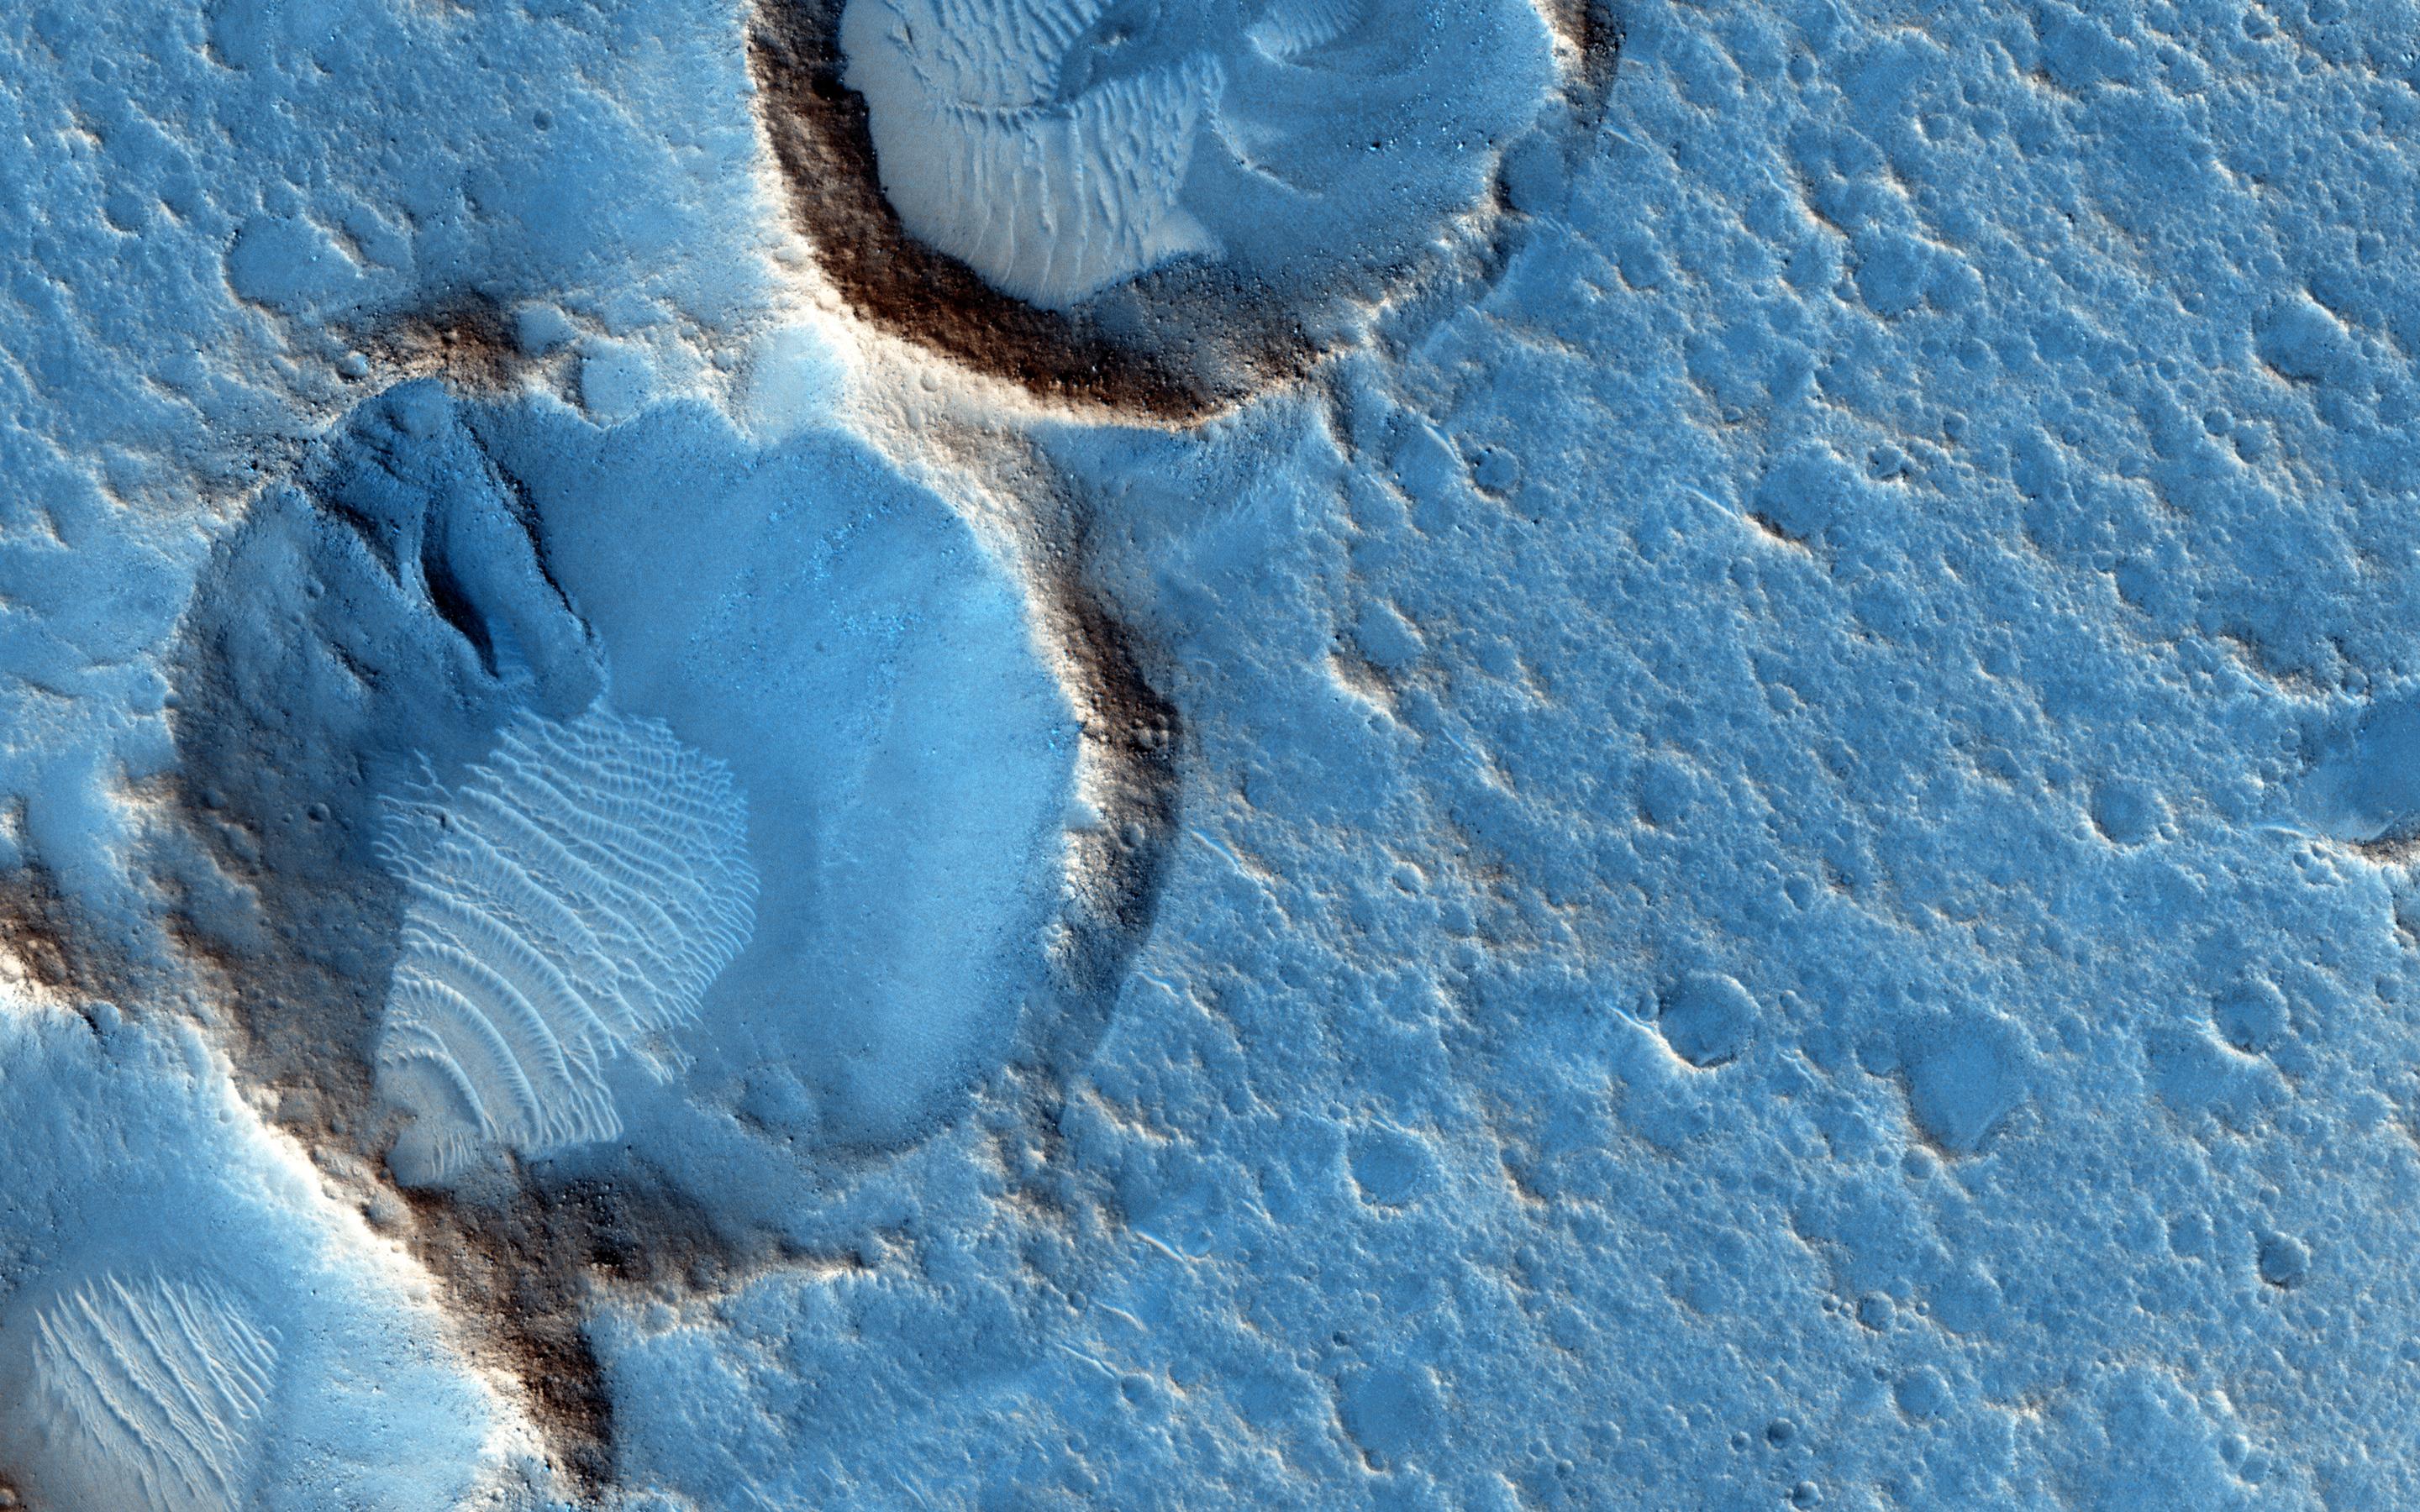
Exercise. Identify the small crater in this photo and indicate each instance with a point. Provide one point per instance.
(1963, 1077)
(1923, 1394)
(2252, 1015)
(1495, 471)
(2196, 1075)
(1668, 790)
(2285, 1261)
(2126, 812)
(2365, 787)
(1391, 1412)
(1708, 1019)
(1390, 1167)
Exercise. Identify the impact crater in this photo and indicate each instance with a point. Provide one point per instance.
(1152, 206)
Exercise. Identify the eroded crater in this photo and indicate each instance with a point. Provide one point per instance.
(1157, 208)
(637, 831)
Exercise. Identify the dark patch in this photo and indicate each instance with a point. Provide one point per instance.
(1775, 531)
(467, 340)
(1132, 734)
(2400, 846)
(1179, 345)
(52, 945)
(537, 1259)
(1593, 29)
(453, 603)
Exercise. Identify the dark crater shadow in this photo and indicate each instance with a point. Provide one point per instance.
(1593, 30)
(1135, 736)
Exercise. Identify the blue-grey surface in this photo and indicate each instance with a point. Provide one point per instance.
(1783, 867)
